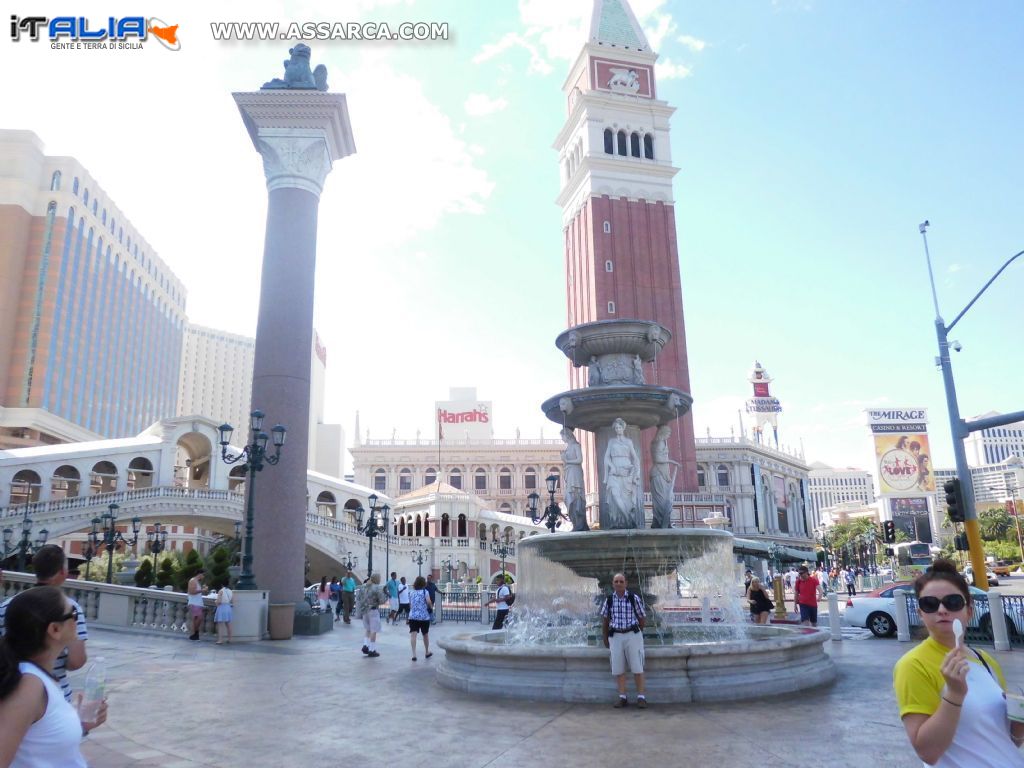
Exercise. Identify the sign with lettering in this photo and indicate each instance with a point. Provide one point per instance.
(464, 420)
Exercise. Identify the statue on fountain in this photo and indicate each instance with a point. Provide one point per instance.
(622, 480)
(575, 495)
(663, 478)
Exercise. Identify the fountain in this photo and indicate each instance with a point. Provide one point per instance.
(552, 649)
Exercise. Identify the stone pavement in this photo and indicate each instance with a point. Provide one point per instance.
(316, 701)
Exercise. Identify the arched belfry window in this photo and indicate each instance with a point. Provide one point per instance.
(55, 182)
(609, 142)
(634, 144)
(649, 146)
(622, 143)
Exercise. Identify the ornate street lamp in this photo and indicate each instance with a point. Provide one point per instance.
(350, 562)
(374, 525)
(156, 542)
(110, 537)
(25, 545)
(419, 557)
(254, 454)
(503, 548)
(552, 515)
(449, 563)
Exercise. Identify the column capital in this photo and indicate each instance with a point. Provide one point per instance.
(299, 134)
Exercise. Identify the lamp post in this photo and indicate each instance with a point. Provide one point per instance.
(350, 562)
(775, 552)
(959, 428)
(449, 563)
(419, 558)
(254, 454)
(552, 514)
(110, 537)
(156, 542)
(502, 548)
(373, 526)
(25, 545)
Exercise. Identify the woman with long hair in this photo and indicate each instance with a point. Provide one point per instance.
(323, 595)
(420, 606)
(761, 605)
(951, 696)
(37, 725)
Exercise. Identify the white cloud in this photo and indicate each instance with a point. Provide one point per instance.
(694, 44)
(953, 268)
(479, 104)
(538, 64)
(666, 69)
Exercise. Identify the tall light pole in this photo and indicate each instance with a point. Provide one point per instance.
(156, 542)
(502, 548)
(254, 454)
(419, 558)
(959, 428)
(373, 526)
(552, 514)
(110, 537)
(25, 546)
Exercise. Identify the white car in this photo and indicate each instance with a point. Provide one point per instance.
(993, 580)
(877, 611)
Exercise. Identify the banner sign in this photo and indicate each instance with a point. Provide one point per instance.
(901, 450)
(911, 516)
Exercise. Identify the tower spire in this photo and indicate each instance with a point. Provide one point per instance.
(613, 24)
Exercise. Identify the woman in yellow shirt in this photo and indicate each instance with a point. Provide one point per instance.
(951, 697)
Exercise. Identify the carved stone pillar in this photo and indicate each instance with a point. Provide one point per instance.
(299, 134)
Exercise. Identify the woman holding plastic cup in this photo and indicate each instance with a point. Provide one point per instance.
(37, 725)
(951, 697)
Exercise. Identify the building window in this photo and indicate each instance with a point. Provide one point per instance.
(608, 266)
(480, 480)
(701, 476)
(609, 142)
(55, 182)
(723, 474)
(611, 307)
(622, 143)
(455, 478)
(649, 146)
(405, 480)
(505, 479)
(607, 227)
(380, 480)
(530, 479)
(634, 144)
(74, 186)
(430, 476)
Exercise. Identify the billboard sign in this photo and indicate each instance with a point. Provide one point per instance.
(901, 451)
(911, 517)
(463, 419)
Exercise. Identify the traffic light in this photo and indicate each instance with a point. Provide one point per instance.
(890, 552)
(954, 500)
(889, 532)
(961, 542)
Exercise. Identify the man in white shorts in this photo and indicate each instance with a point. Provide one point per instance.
(623, 617)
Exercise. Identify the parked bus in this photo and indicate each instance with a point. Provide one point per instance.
(912, 557)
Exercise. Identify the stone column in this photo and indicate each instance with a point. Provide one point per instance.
(299, 134)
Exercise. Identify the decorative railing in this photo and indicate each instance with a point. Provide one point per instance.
(123, 498)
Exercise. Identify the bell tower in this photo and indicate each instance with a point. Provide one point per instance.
(618, 208)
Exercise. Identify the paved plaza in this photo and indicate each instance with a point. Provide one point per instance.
(316, 701)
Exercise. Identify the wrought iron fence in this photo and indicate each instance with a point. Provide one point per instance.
(978, 629)
(459, 604)
(1013, 607)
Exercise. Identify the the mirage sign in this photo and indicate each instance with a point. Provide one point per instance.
(901, 450)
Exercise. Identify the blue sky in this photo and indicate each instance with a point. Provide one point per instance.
(812, 138)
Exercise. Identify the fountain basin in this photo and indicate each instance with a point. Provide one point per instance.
(596, 407)
(771, 661)
(613, 337)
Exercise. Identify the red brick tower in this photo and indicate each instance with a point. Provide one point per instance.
(618, 209)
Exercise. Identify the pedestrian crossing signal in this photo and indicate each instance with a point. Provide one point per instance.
(889, 532)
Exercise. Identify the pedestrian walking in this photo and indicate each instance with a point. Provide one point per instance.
(323, 596)
(392, 587)
(434, 592)
(195, 603)
(502, 601)
(806, 594)
(335, 588)
(223, 614)
(623, 618)
(403, 600)
(952, 698)
(348, 596)
(370, 598)
(420, 606)
(850, 577)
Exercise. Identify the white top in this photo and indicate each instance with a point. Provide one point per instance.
(503, 592)
(224, 596)
(54, 740)
(196, 599)
(404, 593)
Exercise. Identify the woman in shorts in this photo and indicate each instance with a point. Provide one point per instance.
(420, 607)
(951, 696)
(761, 605)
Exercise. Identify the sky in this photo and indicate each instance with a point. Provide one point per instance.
(812, 138)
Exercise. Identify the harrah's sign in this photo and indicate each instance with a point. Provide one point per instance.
(475, 416)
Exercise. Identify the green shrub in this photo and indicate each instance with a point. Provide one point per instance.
(144, 576)
(165, 573)
(217, 568)
(193, 564)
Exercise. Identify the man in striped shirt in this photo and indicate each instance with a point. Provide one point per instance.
(51, 567)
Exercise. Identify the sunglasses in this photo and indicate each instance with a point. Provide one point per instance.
(952, 602)
(72, 614)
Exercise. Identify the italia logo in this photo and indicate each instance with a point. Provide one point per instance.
(81, 33)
